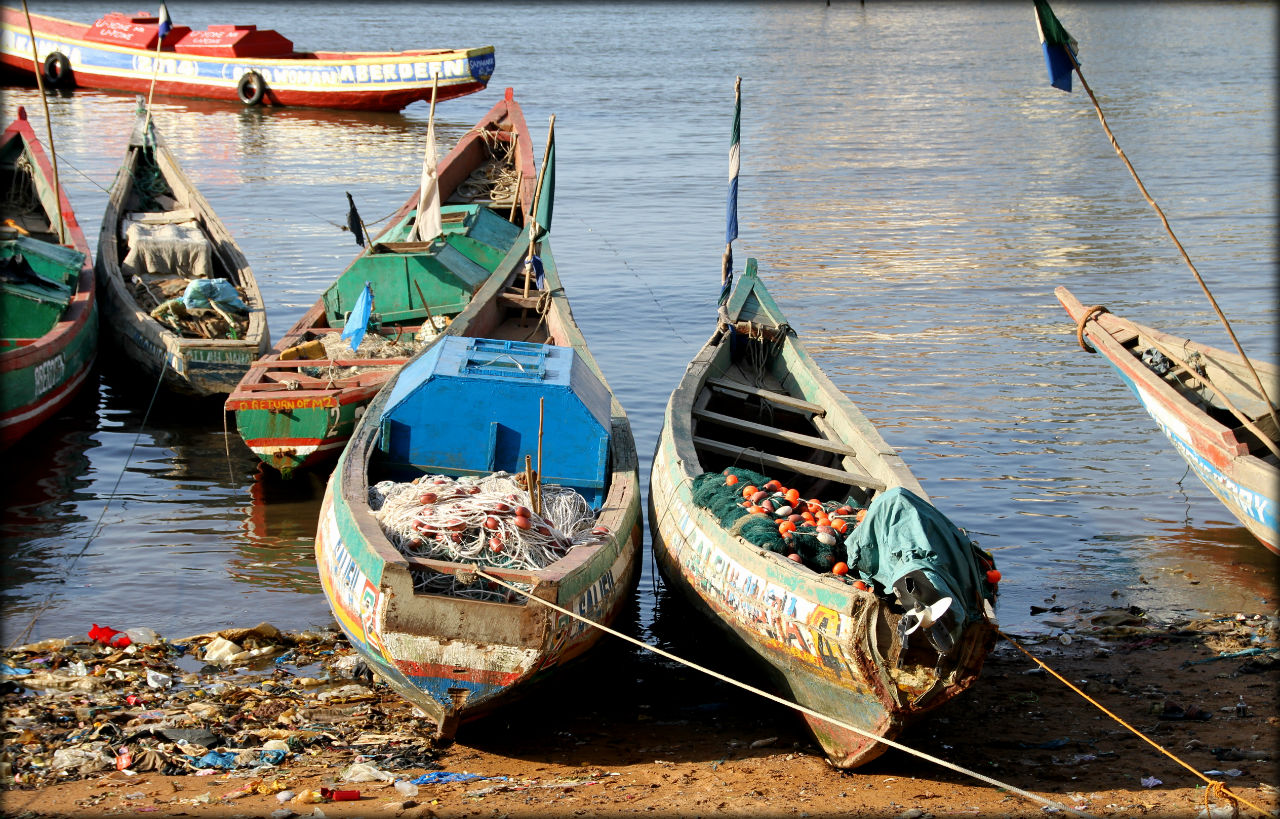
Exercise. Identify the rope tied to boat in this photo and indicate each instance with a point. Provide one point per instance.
(1089, 313)
(1215, 787)
(1048, 803)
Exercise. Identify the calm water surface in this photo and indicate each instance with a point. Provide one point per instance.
(912, 186)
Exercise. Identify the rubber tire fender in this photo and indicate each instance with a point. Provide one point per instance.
(251, 88)
(57, 70)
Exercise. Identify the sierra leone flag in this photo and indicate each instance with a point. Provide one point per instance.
(166, 25)
(735, 162)
(1060, 48)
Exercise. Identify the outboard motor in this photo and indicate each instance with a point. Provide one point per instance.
(928, 609)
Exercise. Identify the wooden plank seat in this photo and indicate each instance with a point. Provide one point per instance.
(779, 398)
(811, 441)
(843, 476)
(449, 567)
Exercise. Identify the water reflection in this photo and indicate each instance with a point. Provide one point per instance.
(279, 526)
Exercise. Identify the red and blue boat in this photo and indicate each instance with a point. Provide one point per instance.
(231, 62)
(1206, 402)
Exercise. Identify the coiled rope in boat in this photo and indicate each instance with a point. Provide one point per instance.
(482, 520)
(494, 181)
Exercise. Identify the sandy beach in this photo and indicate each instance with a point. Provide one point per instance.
(629, 734)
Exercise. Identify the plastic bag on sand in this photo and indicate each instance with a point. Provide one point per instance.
(84, 760)
(364, 772)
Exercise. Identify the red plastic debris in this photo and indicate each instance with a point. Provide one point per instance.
(109, 636)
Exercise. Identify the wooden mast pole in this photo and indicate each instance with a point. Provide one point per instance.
(48, 126)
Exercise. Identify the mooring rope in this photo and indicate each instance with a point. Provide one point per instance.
(1214, 786)
(1271, 407)
(795, 706)
(97, 526)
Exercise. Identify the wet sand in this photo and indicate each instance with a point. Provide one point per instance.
(631, 734)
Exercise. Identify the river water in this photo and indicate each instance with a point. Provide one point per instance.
(912, 186)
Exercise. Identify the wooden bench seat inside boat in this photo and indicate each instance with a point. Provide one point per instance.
(787, 433)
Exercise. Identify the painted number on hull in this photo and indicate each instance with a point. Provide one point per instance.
(49, 374)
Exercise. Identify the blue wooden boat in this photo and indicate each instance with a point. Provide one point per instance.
(454, 645)
(873, 649)
(1205, 402)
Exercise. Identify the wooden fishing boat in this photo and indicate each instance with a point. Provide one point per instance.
(1207, 404)
(232, 62)
(48, 307)
(875, 647)
(177, 295)
(459, 411)
(296, 406)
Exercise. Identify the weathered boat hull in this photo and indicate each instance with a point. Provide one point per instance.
(193, 367)
(40, 376)
(367, 81)
(1248, 484)
(306, 426)
(454, 658)
(829, 646)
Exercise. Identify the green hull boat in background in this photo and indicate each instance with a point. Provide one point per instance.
(297, 406)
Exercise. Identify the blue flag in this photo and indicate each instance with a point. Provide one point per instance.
(539, 272)
(166, 25)
(358, 318)
(1060, 48)
(731, 212)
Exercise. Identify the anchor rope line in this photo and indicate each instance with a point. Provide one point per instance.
(652, 296)
(1271, 407)
(97, 526)
(795, 706)
(1214, 785)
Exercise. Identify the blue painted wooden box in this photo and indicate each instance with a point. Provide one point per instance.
(469, 406)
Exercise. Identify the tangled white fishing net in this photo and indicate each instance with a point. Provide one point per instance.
(485, 521)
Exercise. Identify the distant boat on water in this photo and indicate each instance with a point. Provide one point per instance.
(231, 62)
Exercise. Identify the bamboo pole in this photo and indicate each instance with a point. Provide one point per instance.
(537, 197)
(155, 71)
(48, 127)
(1271, 408)
(538, 499)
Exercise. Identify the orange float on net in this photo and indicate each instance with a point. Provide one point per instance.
(730, 480)
(860, 586)
(749, 490)
(993, 576)
(755, 510)
(840, 524)
(786, 526)
(793, 496)
(840, 568)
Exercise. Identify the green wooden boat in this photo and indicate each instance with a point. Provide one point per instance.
(48, 306)
(871, 648)
(297, 406)
(457, 657)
